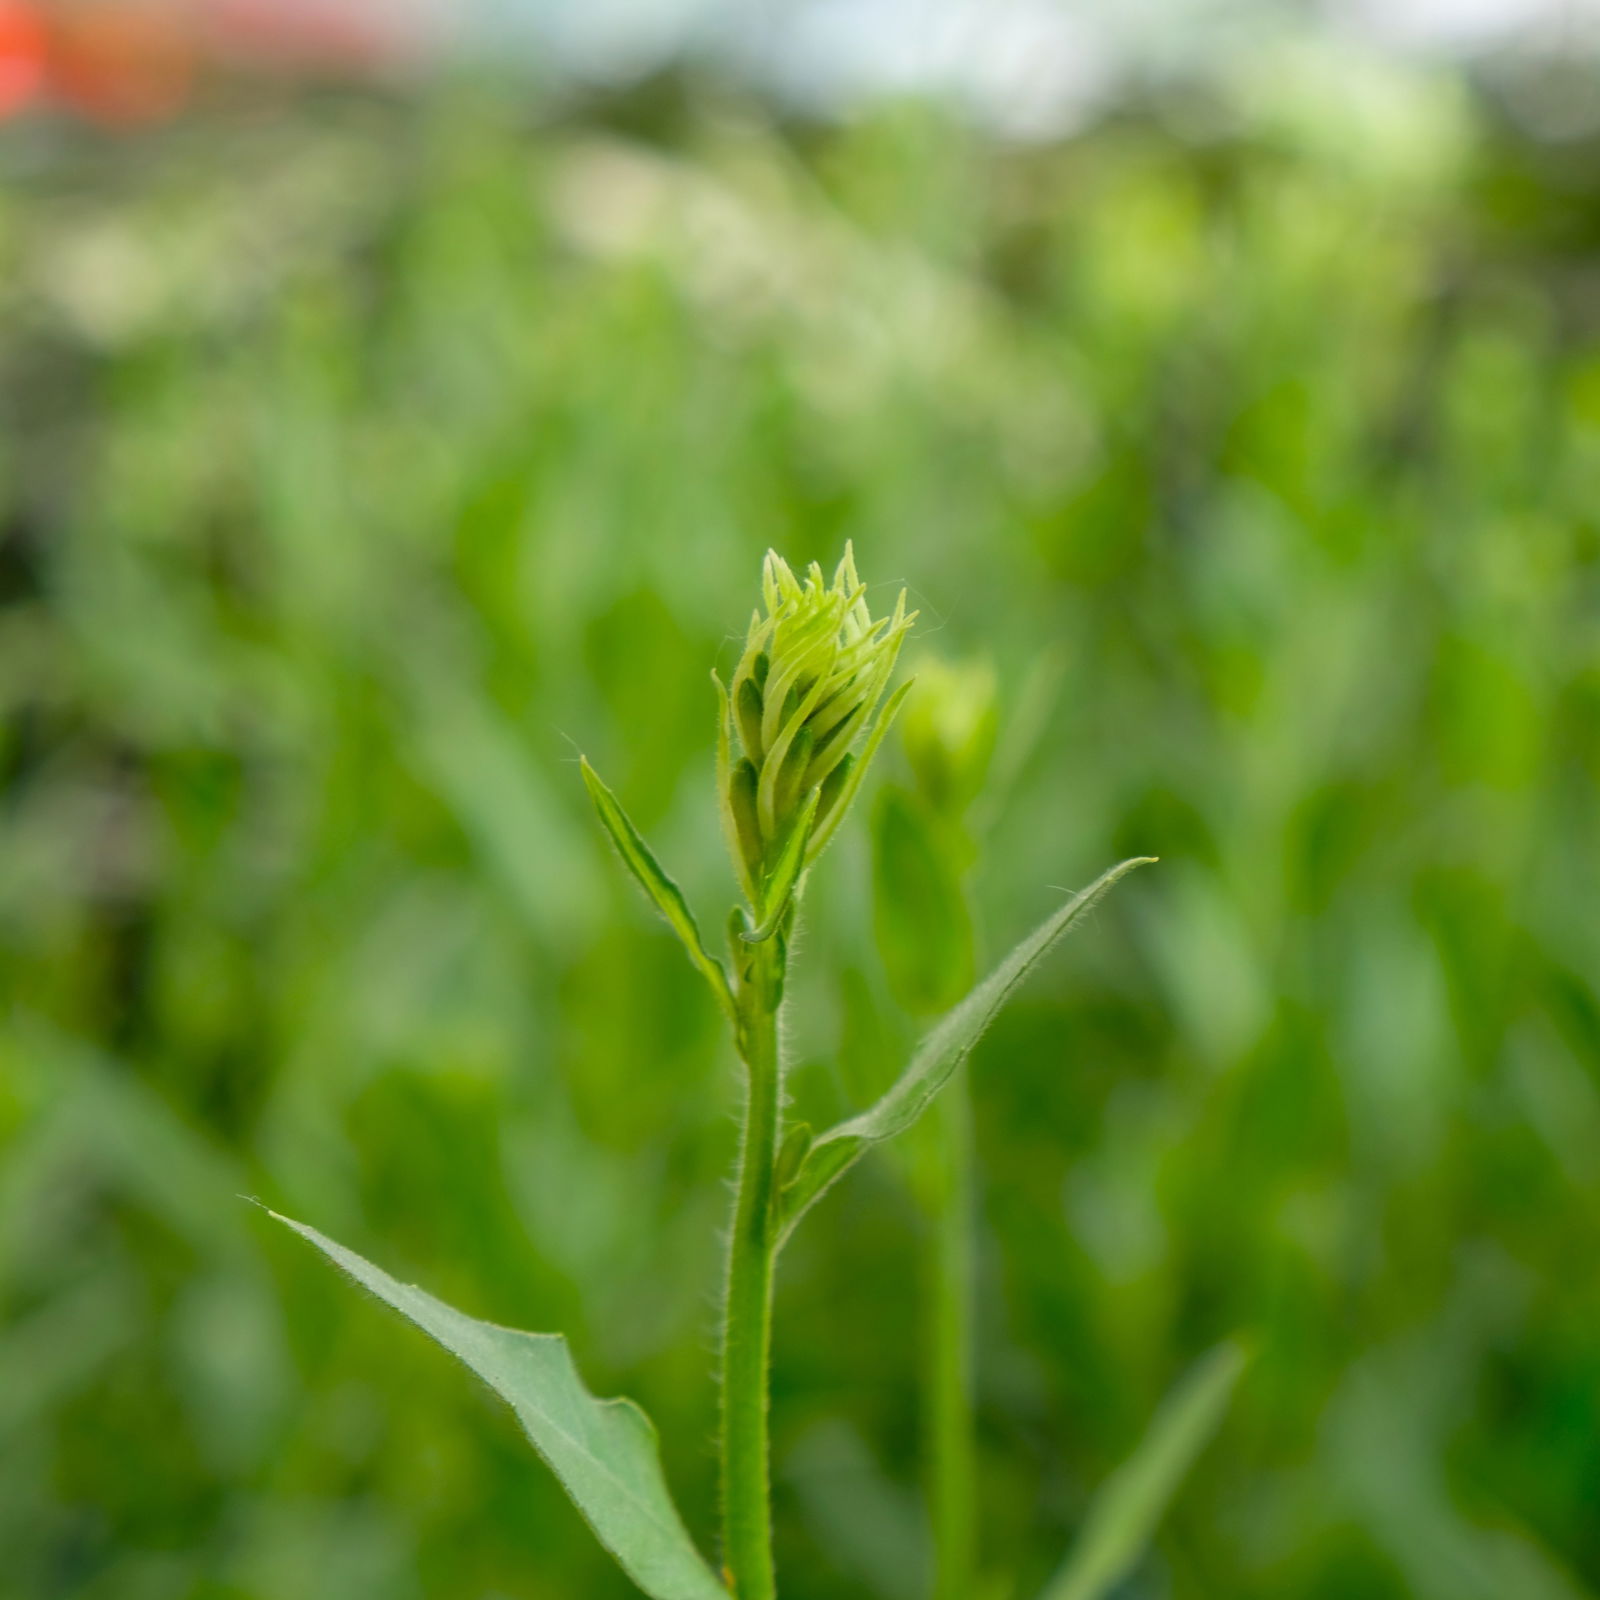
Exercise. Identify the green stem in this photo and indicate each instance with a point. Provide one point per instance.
(951, 1452)
(747, 1323)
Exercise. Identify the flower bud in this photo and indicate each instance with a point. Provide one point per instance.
(814, 667)
(949, 732)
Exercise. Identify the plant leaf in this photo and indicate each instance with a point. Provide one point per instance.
(784, 882)
(730, 825)
(664, 894)
(1124, 1514)
(936, 1058)
(604, 1452)
(886, 715)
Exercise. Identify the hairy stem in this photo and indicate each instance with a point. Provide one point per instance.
(952, 1466)
(747, 1317)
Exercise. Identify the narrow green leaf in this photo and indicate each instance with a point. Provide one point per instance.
(605, 1452)
(1124, 1514)
(784, 882)
(741, 847)
(858, 770)
(664, 894)
(936, 1059)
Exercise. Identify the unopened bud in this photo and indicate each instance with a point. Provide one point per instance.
(814, 668)
(949, 732)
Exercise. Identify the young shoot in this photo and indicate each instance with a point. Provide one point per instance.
(807, 707)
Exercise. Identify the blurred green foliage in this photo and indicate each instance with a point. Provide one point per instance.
(359, 465)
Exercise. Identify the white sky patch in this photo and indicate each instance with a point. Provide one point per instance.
(1453, 27)
(1032, 68)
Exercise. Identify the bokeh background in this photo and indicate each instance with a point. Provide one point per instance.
(387, 417)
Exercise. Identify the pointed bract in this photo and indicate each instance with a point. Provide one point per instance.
(664, 894)
(814, 667)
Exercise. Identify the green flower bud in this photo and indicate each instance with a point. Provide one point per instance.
(814, 668)
(949, 733)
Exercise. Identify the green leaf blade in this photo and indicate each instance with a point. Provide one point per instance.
(664, 894)
(1125, 1513)
(605, 1452)
(852, 784)
(785, 882)
(936, 1058)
